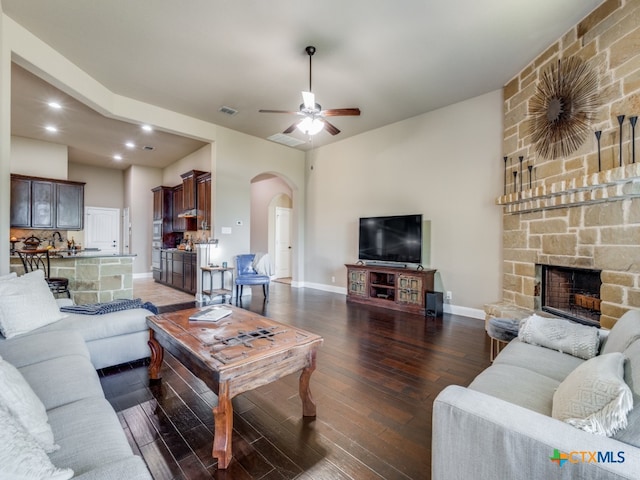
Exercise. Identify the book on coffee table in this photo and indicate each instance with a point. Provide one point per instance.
(211, 314)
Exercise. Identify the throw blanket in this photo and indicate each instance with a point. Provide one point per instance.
(109, 307)
(262, 264)
(563, 335)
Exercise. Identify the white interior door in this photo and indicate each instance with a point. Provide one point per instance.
(102, 229)
(283, 242)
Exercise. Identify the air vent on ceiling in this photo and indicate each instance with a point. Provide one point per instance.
(285, 140)
(148, 148)
(228, 110)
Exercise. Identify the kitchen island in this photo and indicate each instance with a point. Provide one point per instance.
(94, 276)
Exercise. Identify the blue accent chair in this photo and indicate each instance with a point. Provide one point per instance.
(247, 275)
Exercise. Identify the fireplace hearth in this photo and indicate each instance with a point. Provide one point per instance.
(572, 293)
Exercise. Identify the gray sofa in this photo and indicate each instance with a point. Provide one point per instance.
(59, 362)
(501, 427)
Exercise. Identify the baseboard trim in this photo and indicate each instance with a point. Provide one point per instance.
(143, 275)
(448, 308)
(323, 287)
(464, 311)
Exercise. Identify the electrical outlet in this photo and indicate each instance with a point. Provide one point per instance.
(449, 295)
(333, 279)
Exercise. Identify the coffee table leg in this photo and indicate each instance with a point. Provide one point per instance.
(223, 417)
(308, 405)
(157, 354)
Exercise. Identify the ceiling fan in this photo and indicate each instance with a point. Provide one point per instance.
(313, 120)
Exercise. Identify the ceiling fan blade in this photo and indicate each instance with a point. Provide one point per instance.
(291, 128)
(332, 129)
(279, 111)
(341, 112)
(309, 100)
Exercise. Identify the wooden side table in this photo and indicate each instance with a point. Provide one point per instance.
(217, 292)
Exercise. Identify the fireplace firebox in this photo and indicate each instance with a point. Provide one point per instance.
(572, 293)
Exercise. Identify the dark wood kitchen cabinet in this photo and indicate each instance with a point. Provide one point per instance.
(46, 204)
(189, 189)
(161, 203)
(178, 269)
(179, 223)
(204, 200)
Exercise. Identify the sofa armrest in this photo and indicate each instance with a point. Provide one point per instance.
(479, 436)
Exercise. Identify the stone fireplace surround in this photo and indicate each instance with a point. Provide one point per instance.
(582, 210)
(590, 222)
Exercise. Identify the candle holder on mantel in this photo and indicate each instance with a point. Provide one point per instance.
(620, 120)
(505, 176)
(520, 158)
(530, 168)
(632, 121)
(598, 135)
(515, 181)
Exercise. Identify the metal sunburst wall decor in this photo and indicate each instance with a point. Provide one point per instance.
(563, 107)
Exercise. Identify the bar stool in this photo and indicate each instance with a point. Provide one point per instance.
(38, 259)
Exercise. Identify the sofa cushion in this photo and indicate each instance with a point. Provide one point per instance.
(94, 327)
(623, 333)
(26, 303)
(89, 434)
(20, 455)
(63, 380)
(550, 363)
(594, 397)
(36, 347)
(517, 385)
(20, 400)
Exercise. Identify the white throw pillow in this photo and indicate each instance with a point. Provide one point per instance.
(21, 458)
(26, 303)
(594, 397)
(19, 399)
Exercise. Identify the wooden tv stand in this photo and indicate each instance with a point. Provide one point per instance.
(389, 287)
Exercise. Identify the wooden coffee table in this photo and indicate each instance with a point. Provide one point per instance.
(237, 353)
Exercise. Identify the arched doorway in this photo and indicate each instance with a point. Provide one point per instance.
(271, 225)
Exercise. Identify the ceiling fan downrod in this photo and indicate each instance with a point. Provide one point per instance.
(310, 51)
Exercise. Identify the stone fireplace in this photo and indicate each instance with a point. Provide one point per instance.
(581, 211)
(572, 293)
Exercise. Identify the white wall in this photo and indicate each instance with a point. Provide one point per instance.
(5, 142)
(263, 192)
(138, 182)
(39, 159)
(104, 186)
(201, 159)
(239, 159)
(444, 164)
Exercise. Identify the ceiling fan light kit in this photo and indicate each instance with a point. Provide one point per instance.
(310, 126)
(314, 117)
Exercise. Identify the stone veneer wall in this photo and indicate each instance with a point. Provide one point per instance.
(92, 279)
(573, 215)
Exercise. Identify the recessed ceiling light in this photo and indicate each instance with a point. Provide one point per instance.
(147, 128)
(51, 128)
(130, 145)
(55, 105)
(117, 157)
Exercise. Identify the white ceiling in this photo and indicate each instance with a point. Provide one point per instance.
(392, 59)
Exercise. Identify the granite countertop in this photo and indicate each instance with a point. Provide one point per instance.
(177, 250)
(64, 254)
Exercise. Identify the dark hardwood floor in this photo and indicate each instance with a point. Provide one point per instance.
(378, 373)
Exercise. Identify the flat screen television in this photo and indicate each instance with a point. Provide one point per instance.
(391, 239)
